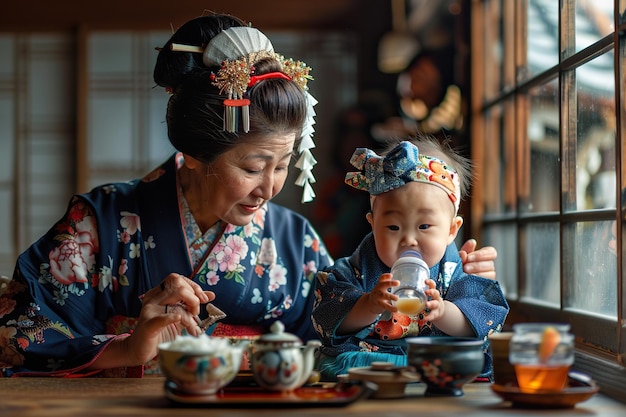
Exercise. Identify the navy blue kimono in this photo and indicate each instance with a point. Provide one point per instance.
(339, 287)
(80, 285)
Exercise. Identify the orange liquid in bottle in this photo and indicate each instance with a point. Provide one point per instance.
(533, 378)
(410, 306)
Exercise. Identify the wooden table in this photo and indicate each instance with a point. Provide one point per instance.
(93, 397)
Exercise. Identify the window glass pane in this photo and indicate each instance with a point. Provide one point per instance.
(494, 50)
(594, 20)
(595, 160)
(498, 179)
(7, 157)
(504, 238)
(110, 53)
(7, 53)
(542, 262)
(542, 35)
(539, 182)
(110, 144)
(6, 244)
(492, 179)
(592, 285)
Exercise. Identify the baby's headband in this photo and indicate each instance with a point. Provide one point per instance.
(403, 164)
(236, 50)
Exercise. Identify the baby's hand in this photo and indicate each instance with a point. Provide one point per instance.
(380, 298)
(435, 304)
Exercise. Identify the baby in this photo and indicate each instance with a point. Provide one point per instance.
(415, 190)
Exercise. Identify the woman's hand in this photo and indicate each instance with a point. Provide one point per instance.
(167, 309)
(478, 262)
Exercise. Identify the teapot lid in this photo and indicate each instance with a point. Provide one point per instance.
(277, 334)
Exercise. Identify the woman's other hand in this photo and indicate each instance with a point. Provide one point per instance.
(478, 262)
(166, 310)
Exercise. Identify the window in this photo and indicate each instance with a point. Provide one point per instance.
(37, 137)
(547, 129)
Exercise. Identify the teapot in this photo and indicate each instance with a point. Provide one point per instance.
(280, 361)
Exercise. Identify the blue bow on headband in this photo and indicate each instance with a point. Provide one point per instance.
(403, 164)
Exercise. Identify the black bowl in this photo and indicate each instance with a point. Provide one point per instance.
(445, 363)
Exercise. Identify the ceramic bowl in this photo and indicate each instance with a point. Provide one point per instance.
(445, 363)
(200, 365)
(390, 379)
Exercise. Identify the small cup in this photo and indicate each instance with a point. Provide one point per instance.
(503, 371)
(542, 354)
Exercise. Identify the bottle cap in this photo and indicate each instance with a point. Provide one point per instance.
(410, 257)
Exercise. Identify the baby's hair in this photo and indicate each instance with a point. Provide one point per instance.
(441, 149)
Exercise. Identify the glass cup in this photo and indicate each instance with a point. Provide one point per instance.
(542, 354)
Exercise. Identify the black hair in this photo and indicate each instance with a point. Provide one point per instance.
(195, 110)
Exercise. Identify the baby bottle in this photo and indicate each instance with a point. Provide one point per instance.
(411, 270)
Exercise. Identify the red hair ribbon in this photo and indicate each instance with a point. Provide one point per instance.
(256, 78)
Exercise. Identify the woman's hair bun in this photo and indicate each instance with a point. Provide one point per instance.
(172, 67)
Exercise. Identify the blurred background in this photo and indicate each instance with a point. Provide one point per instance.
(78, 106)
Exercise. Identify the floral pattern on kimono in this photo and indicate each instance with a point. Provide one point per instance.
(80, 285)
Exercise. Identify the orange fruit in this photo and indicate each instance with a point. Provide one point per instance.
(550, 339)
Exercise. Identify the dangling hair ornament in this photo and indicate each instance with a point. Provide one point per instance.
(236, 50)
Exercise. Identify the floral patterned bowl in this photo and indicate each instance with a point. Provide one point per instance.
(200, 365)
(445, 363)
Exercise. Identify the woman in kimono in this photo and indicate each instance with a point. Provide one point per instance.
(196, 245)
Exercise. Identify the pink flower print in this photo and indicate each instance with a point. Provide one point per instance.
(88, 226)
(212, 278)
(219, 246)
(238, 244)
(71, 261)
(227, 259)
(230, 228)
(249, 230)
(267, 252)
(288, 302)
(310, 268)
(235, 249)
(278, 277)
(212, 262)
(123, 267)
(259, 216)
(124, 237)
(130, 222)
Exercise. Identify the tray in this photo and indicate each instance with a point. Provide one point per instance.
(337, 395)
(579, 388)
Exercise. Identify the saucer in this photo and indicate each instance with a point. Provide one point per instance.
(391, 380)
(578, 389)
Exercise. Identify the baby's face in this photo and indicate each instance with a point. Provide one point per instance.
(415, 216)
